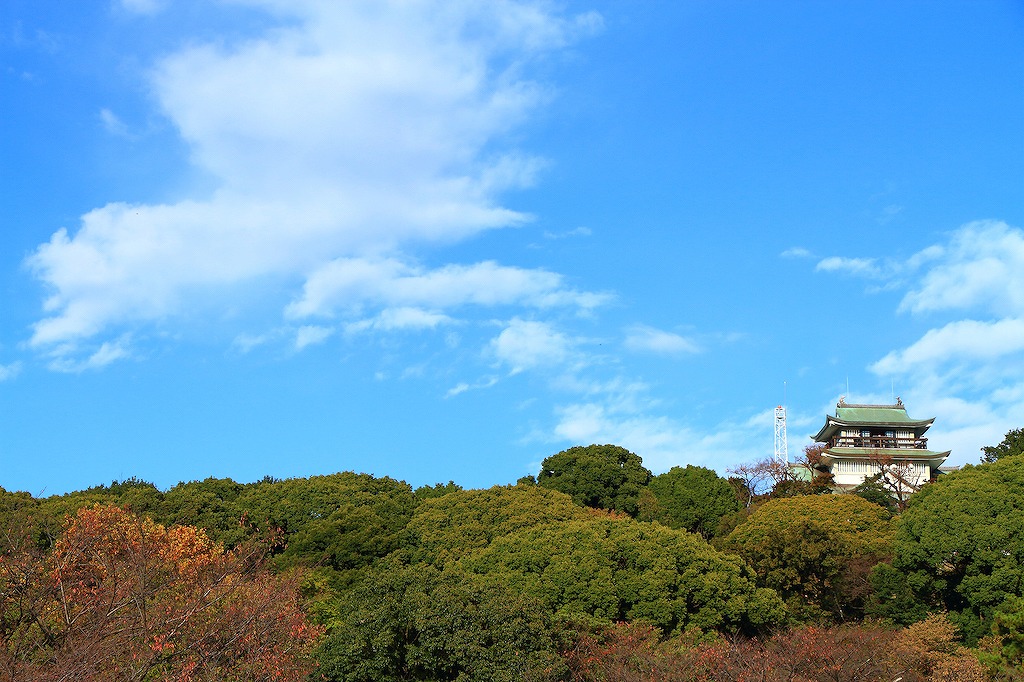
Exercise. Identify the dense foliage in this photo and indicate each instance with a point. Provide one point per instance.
(599, 476)
(692, 498)
(924, 652)
(613, 568)
(960, 544)
(447, 528)
(595, 570)
(1012, 444)
(420, 623)
(815, 551)
(119, 597)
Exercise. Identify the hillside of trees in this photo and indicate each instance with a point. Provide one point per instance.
(592, 570)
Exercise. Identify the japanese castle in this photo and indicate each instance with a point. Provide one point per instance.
(864, 440)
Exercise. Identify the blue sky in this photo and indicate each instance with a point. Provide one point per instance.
(443, 240)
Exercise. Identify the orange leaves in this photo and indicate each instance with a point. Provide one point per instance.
(124, 598)
(926, 652)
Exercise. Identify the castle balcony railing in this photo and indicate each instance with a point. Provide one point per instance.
(888, 442)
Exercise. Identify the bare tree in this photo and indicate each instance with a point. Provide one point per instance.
(897, 477)
(753, 477)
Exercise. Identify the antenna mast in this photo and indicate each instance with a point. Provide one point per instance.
(781, 448)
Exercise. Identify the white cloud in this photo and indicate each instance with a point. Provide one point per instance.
(627, 417)
(350, 131)
(643, 338)
(862, 267)
(527, 344)
(356, 281)
(575, 232)
(246, 342)
(966, 371)
(392, 319)
(967, 374)
(889, 213)
(457, 389)
(63, 359)
(797, 252)
(463, 386)
(143, 6)
(113, 124)
(8, 372)
(960, 340)
(309, 335)
(982, 266)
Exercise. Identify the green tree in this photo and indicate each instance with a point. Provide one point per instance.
(960, 542)
(581, 562)
(343, 521)
(1012, 444)
(873, 491)
(599, 476)
(416, 622)
(443, 529)
(211, 504)
(1006, 662)
(816, 551)
(425, 492)
(612, 568)
(692, 498)
(892, 598)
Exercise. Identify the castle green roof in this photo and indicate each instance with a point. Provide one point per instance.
(871, 415)
(898, 453)
(874, 414)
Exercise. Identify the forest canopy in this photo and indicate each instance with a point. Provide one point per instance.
(595, 570)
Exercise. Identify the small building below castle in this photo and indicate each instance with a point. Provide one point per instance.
(866, 440)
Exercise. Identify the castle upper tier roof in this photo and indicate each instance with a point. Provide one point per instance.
(848, 415)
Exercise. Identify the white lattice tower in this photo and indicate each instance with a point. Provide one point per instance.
(781, 448)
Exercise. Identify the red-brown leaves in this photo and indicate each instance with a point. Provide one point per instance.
(925, 652)
(123, 598)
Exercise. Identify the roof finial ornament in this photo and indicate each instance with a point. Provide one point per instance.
(899, 401)
(842, 400)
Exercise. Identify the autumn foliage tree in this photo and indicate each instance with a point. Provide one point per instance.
(631, 652)
(120, 597)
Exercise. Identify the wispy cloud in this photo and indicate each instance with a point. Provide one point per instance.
(392, 319)
(8, 372)
(341, 137)
(960, 340)
(576, 232)
(310, 335)
(967, 369)
(63, 358)
(353, 282)
(797, 252)
(888, 213)
(982, 266)
(643, 338)
(623, 413)
(528, 344)
(861, 267)
(244, 342)
(463, 386)
(113, 124)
